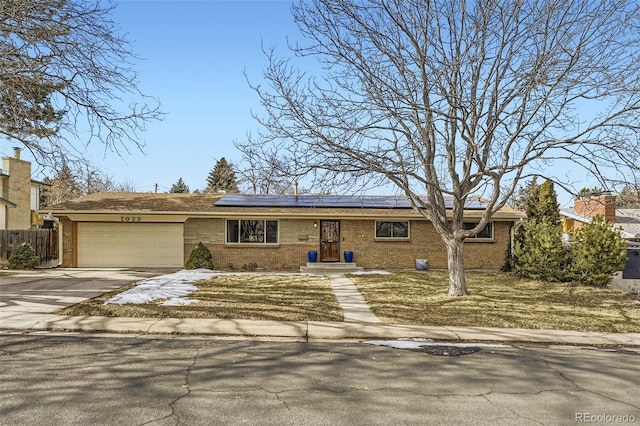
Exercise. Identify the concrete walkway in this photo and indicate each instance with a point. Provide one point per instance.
(354, 308)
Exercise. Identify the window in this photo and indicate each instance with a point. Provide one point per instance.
(486, 233)
(252, 231)
(392, 229)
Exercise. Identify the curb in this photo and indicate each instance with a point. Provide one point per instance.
(311, 330)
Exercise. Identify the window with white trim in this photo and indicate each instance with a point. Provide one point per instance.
(252, 231)
(485, 234)
(388, 229)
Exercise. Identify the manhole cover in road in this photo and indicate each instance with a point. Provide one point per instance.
(447, 350)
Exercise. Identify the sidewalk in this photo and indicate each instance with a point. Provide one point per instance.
(359, 323)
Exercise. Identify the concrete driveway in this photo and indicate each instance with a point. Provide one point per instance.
(45, 290)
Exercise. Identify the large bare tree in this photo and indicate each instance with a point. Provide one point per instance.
(66, 79)
(451, 99)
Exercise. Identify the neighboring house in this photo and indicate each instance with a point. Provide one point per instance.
(270, 232)
(19, 194)
(627, 221)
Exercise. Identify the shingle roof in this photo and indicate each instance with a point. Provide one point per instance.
(136, 201)
(203, 204)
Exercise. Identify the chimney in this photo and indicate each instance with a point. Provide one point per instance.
(16, 152)
(603, 205)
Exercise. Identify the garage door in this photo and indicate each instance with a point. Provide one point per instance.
(130, 244)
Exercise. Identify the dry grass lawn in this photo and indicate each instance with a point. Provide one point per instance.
(256, 297)
(411, 297)
(498, 300)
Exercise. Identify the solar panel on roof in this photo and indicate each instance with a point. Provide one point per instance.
(329, 201)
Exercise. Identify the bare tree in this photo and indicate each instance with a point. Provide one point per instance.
(66, 80)
(449, 99)
(263, 173)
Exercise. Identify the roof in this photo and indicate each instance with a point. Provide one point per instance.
(251, 205)
(103, 202)
(7, 202)
(330, 201)
(626, 219)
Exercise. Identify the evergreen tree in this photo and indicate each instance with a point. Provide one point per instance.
(222, 178)
(538, 252)
(64, 186)
(543, 204)
(597, 252)
(179, 187)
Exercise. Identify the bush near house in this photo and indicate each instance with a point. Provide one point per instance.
(24, 257)
(597, 252)
(200, 257)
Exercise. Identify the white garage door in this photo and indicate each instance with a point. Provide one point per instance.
(130, 244)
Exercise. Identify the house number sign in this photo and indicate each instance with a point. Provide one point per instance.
(130, 219)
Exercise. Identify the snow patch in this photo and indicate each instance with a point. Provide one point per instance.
(372, 272)
(179, 301)
(168, 286)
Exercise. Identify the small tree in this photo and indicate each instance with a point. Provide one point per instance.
(540, 255)
(24, 257)
(598, 251)
(200, 257)
(179, 187)
(538, 252)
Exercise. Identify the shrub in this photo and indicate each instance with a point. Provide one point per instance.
(597, 252)
(24, 257)
(200, 257)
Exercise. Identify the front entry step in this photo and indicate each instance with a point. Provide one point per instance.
(328, 268)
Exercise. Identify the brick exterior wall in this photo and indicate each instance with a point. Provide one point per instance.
(603, 205)
(67, 242)
(299, 236)
(18, 191)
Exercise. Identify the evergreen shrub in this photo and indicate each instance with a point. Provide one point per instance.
(24, 257)
(200, 257)
(597, 252)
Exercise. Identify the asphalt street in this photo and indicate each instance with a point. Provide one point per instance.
(81, 379)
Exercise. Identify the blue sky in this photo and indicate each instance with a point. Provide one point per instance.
(193, 55)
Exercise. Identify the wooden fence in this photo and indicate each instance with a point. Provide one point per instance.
(44, 241)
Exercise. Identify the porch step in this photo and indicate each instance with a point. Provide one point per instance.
(330, 267)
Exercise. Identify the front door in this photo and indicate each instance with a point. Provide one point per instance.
(330, 241)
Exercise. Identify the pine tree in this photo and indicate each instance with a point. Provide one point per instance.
(543, 204)
(179, 187)
(222, 178)
(538, 251)
(64, 186)
(598, 251)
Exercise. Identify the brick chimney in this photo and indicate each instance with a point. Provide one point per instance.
(603, 205)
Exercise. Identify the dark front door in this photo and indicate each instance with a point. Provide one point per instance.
(330, 241)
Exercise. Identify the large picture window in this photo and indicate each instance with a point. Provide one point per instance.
(252, 231)
(386, 229)
(485, 234)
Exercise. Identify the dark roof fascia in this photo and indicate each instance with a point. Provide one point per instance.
(7, 202)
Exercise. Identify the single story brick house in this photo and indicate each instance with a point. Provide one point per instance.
(264, 231)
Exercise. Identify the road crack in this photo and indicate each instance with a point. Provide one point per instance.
(186, 386)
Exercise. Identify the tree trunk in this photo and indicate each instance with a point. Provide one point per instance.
(455, 260)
